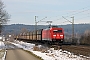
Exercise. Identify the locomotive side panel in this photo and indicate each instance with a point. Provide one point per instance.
(46, 35)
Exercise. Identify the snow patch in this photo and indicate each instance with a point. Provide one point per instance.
(3, 58)
(2, 45)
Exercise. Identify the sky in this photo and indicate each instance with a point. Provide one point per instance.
(24, 11)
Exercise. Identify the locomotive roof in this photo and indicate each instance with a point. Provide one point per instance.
(50, 28)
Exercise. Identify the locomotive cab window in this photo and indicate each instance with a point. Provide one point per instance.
(57, 31)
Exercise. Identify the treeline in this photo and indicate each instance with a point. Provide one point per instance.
(85, 39)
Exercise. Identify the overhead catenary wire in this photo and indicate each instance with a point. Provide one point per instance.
(74, 13)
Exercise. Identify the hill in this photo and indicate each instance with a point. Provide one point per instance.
(17, 28)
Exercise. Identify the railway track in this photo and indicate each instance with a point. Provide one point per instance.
(78, 50)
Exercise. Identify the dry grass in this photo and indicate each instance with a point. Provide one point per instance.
(35, 48)
(42, 49)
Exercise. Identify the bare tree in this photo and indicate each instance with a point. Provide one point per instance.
(4, 16)
(24, 30)
(85, 39)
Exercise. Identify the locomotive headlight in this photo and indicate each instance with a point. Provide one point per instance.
(61, 35)
(54, 35)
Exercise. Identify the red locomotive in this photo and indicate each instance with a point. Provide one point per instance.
(53, 34)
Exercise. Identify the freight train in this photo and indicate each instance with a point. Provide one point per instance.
(51, 35)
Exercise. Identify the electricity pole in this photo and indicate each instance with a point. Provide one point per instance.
(36, 25)
(72, 26)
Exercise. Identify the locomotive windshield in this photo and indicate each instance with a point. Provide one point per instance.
(57, 31)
